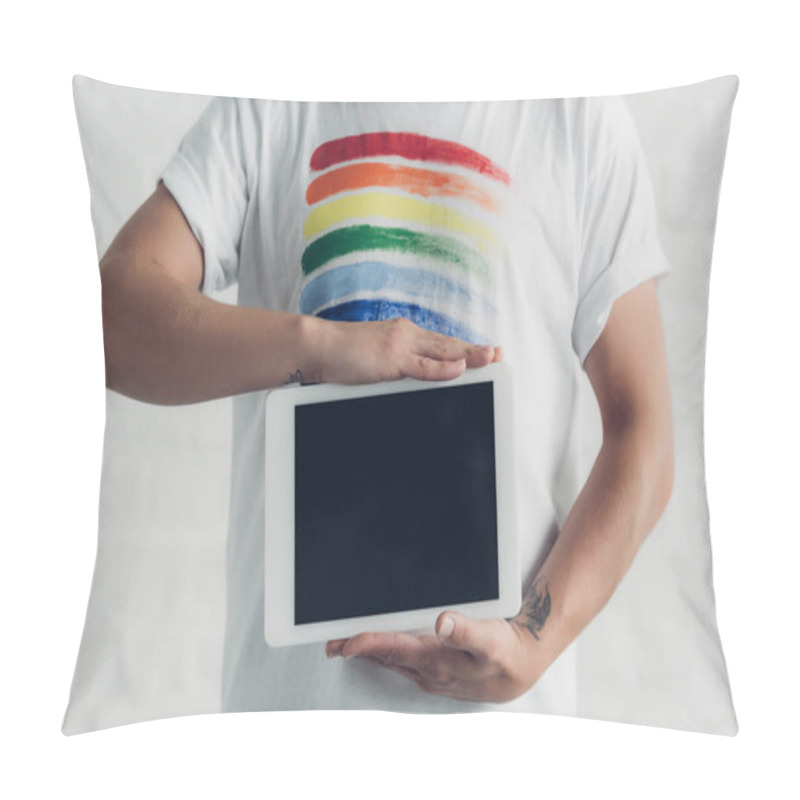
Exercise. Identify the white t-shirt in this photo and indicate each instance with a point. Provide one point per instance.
(517, 223)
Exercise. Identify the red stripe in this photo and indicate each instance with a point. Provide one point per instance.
(407, 145)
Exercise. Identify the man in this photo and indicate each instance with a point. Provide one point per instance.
(389, 227)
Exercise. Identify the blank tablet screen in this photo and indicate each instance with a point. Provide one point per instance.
(395, 503)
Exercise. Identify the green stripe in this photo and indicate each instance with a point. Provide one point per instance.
(342, 241)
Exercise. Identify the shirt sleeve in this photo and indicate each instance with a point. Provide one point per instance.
(618, 245)
(208, 178)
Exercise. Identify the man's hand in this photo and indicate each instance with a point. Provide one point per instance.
(484, 661)
(369, 352)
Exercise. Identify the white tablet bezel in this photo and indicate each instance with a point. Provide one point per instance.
(279, 626)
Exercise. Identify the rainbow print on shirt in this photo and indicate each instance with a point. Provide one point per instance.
(401, 224)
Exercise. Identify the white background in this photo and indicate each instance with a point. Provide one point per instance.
(53, 398)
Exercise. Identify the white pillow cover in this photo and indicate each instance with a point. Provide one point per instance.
(154, 636)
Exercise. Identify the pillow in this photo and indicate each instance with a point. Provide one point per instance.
(521, 224)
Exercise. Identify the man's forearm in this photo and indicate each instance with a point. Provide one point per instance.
(623, 498)
(167, 343)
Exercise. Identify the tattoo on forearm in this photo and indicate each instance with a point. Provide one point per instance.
(295, 377)
(535, 608)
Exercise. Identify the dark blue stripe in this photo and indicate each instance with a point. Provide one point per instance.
(379, 309)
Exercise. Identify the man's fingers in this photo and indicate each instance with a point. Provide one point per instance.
(449, 361)
(429, 369)
(463, 633)
(448, 348)
(389, 648)
(427, 355)
(479, 356)
(334, 647)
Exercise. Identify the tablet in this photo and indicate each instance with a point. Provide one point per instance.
(387, 504)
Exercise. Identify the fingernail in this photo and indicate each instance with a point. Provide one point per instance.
(446, 628)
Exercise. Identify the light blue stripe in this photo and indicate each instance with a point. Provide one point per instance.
(374, 276)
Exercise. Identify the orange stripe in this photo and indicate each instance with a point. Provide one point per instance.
(425, 182)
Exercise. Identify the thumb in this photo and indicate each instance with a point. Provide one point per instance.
(460, 631)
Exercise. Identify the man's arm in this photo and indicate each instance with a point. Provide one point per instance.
(629, 484)
(166, 342)
(624, 496)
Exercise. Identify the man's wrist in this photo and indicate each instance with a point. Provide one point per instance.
(534, 615)
(312, 333)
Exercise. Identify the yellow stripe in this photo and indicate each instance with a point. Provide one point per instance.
(409, 209)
